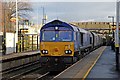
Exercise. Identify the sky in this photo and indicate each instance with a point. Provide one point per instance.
(62, 0)
(74, 11)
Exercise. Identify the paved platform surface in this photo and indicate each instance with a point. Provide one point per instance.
(82, 67)
(105, 67)
(13, 55)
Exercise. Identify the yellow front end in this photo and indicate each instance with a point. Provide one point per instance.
(57, 48)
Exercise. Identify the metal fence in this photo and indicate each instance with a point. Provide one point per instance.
(27, 42)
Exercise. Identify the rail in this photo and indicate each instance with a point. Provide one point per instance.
(16, 73)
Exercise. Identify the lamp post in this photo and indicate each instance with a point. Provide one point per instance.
(112, 25)
(16, 25)
(117, 35)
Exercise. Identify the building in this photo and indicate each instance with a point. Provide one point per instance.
(99, 27)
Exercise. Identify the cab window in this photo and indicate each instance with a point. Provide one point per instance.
(48, 36)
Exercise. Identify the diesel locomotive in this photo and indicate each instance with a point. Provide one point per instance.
(64, 43)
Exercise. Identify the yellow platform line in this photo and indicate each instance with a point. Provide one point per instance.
(93, 64)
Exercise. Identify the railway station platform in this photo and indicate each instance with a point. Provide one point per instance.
(14, 60)
(98, 65)
(13, 55)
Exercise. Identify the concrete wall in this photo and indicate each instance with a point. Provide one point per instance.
(8, 64)
(10, 43)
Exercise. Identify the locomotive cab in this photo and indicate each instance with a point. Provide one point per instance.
(56, 42)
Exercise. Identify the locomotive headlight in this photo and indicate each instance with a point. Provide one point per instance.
(68, 52)
(44, 52)
(56, 28)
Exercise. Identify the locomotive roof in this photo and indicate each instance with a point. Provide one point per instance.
(59, 24)
(63, 24)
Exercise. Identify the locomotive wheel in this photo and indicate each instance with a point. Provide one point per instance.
(79, 54)
(75, 59)
(82, 54)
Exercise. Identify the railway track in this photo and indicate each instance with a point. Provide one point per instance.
(45, 76)
(39, 74)
(34, 76)
(17, 68)
(34, 72)
(14, 73)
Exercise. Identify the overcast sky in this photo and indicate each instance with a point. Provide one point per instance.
(74, 11)
(62, 0)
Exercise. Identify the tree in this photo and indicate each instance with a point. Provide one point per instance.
(10, 12)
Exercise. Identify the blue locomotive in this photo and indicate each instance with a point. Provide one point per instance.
(64, 43)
